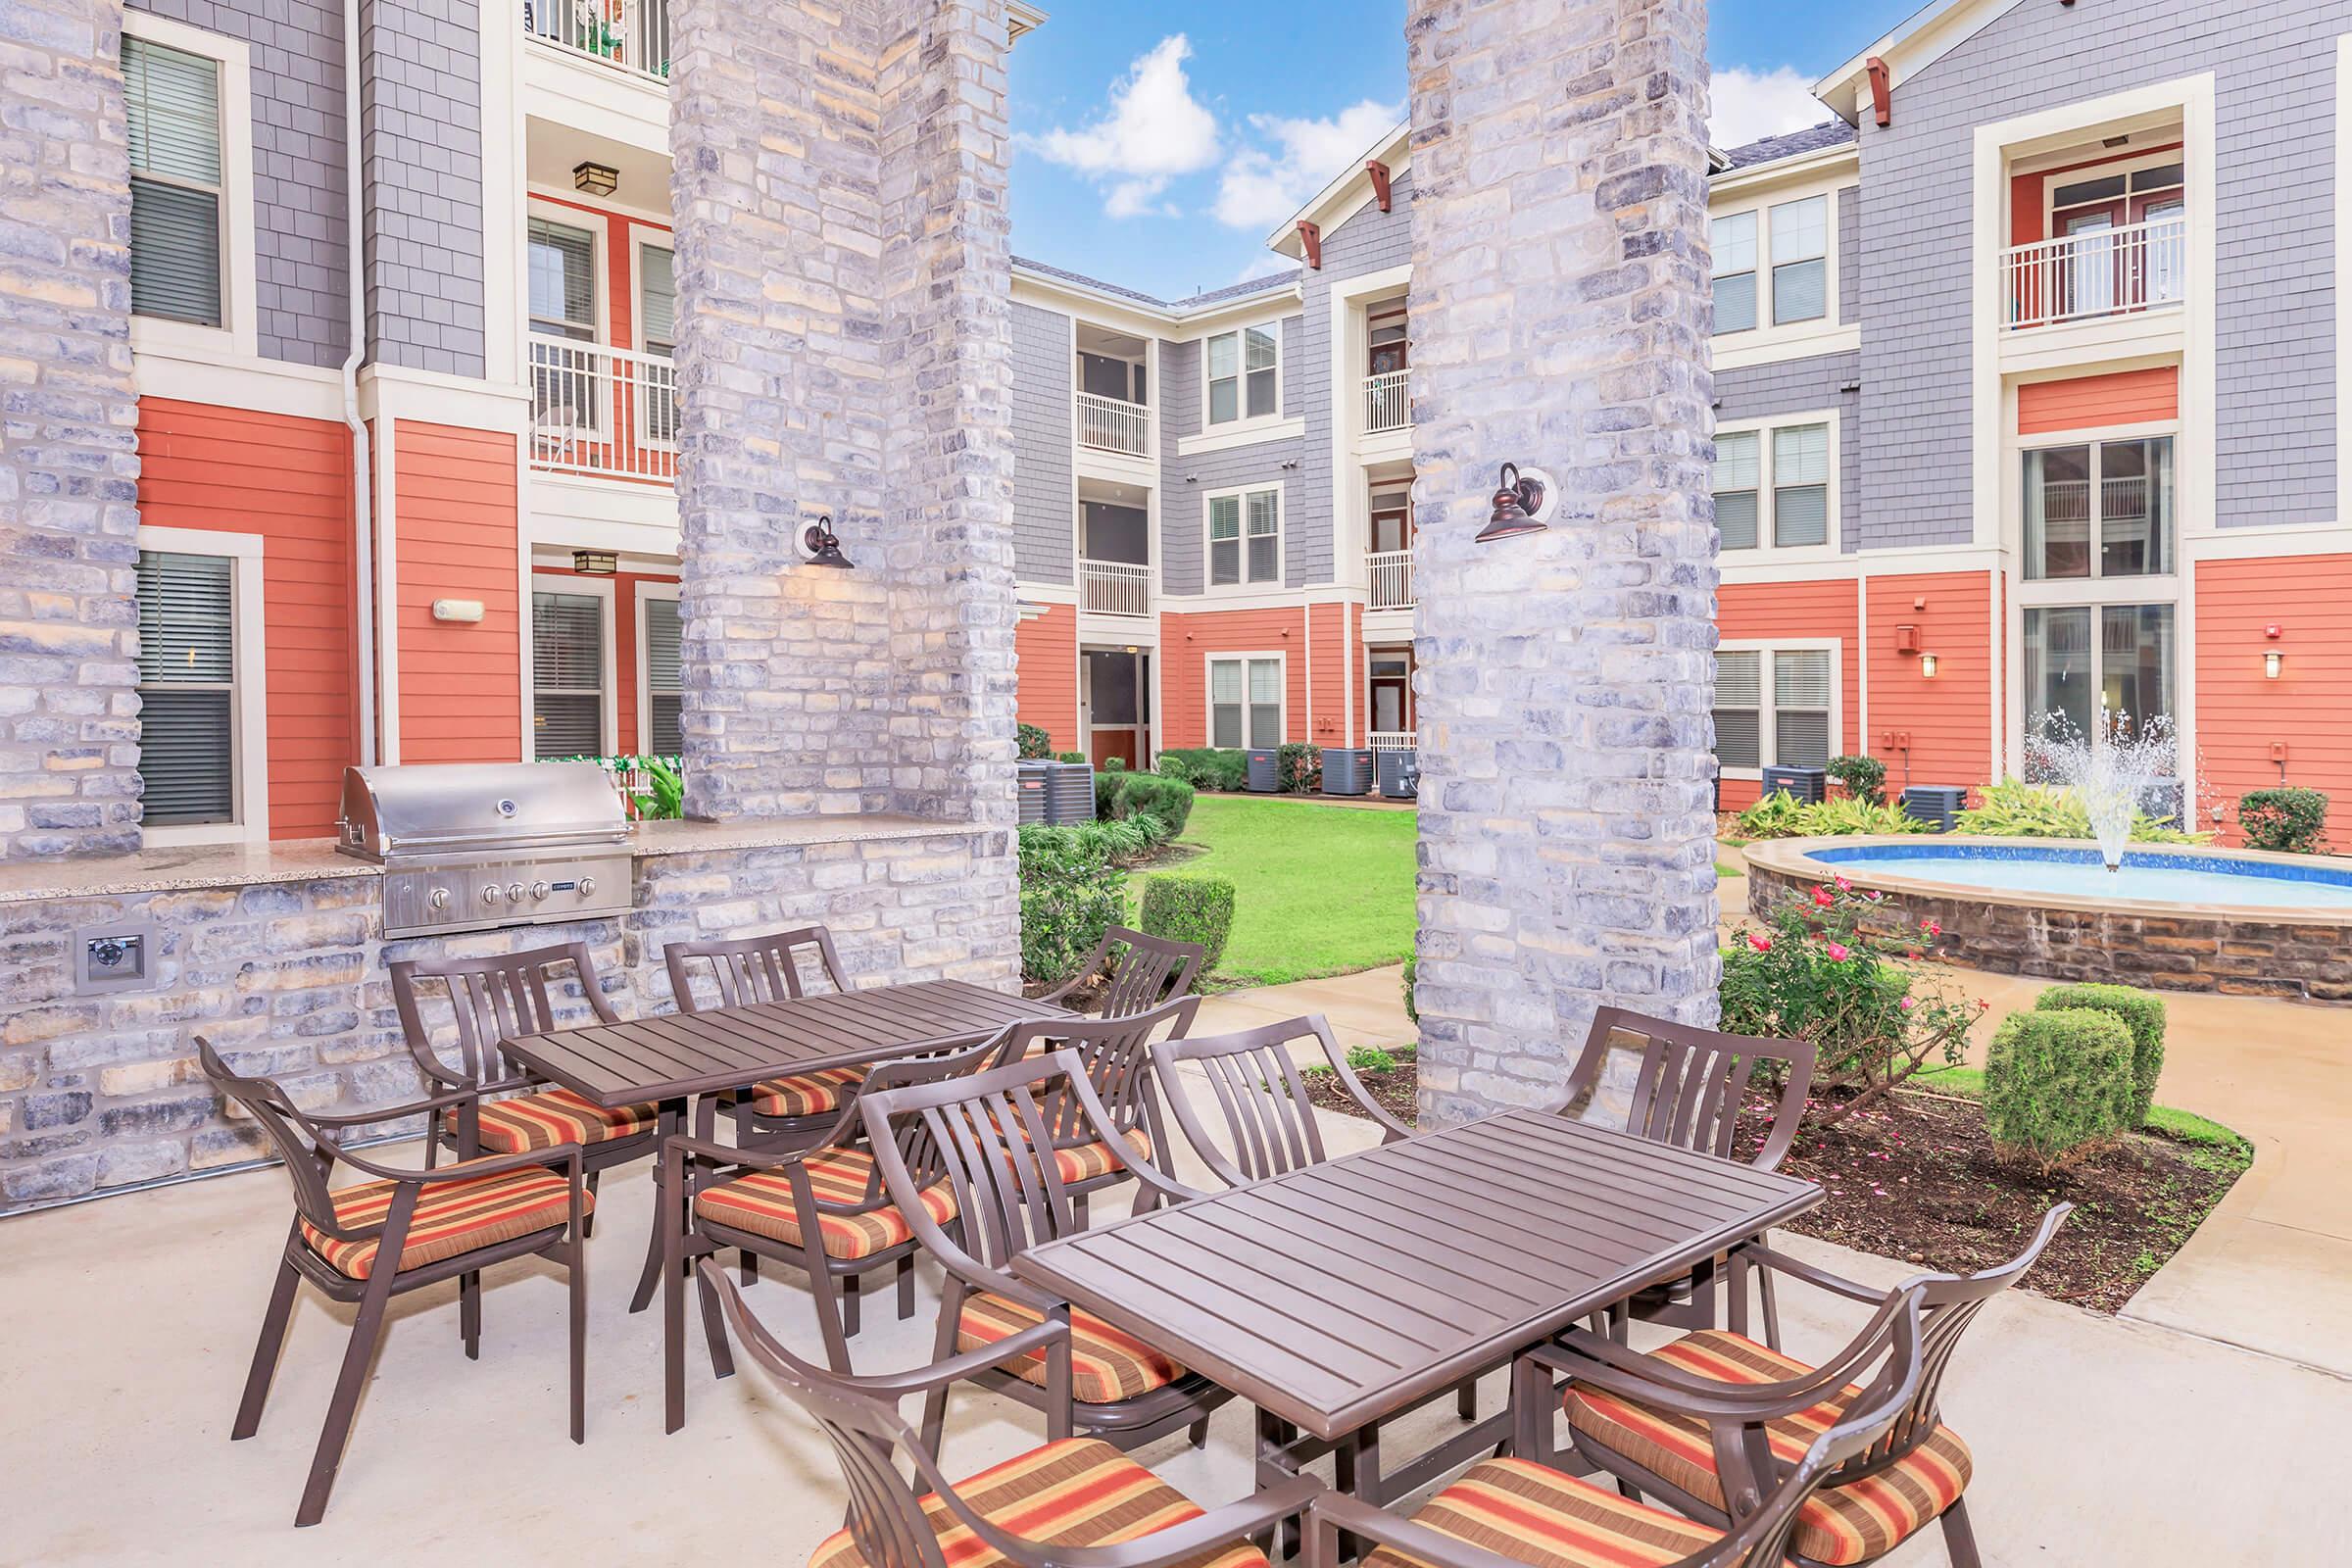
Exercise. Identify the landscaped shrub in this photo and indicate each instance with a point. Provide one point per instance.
(1070, 757)
(2056, 1081)
(1032, 742)
(1169, 799)
(1864, 778)
(1780, 815)
(1299, 768)
(1412, 966)
(2293, 821)
(2142, 1014)
(1190, 909)
(2015, 809)
(1072, 891)
(1207, 767)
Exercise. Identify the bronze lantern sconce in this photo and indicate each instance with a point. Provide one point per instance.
(1523, 504)
(823, 545)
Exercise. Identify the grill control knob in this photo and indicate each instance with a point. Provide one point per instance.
(539, 890)
(587, 886)
(492, 894)
(437, 901)
(514, 893)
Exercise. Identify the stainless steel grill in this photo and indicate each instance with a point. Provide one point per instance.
(468, 846)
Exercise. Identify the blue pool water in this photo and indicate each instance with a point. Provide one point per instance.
(2210, 879)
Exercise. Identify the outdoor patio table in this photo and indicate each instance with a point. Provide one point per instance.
(1340, 1294)
(674, 1056)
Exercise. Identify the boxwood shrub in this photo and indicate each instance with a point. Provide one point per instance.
(1207, 767)
(2058, 1082)
(1154, 795)
(1190, 909)
(2291, 821)
(1072, 891)
(2141, 1013)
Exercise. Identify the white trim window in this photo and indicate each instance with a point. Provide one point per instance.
(178, 183)
(658, 334)
(1245, 538)
(1801, 261)
(1775, 486)
(1245, 701)
(2085, 659)
(661, 692)
(2099, 509)
(1735, 249)
(1775, 706)
(559, 260)
(202, 759)
(571, 667)
(1243, 374)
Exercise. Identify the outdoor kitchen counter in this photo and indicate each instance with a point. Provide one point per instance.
(190, 867)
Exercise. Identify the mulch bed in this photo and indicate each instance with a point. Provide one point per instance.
(1395, 1089)
(1919, 1181)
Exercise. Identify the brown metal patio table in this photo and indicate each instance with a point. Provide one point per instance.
(1344, 1293)
(672, 1057)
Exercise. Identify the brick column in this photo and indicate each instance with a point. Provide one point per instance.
(1559, 315)
(844, 348)
(69, 418)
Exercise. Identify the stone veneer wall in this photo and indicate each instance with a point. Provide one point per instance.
(1559, 318)
(288, 980)
(69, 463)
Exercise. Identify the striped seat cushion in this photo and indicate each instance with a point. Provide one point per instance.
(1088, 1161)
(1854, 1523)
(1534, 1514)
(760, 1201)
(553, 1117)
(1080, 1491)
(452, 1217)
(811, 1093)
(1106, 1365)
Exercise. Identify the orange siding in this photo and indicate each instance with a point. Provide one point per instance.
(1331, 676)
(289, 480)
(1045, 662)
(1188, 640)
(1756, 611)
(2241, 714)
(456, 534)
(1949, 719)
(2126, 397)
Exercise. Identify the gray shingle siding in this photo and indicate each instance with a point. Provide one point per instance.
(1185, 480)
(1805, 386)
(1044, 524)
(1369, 241)
(1850, 256)
(422, 157)
(300, 243)
(2274, 416)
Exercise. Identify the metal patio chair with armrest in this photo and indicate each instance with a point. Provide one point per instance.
(1519, 1512)
(978, 1135)
(444, 1222)
(1867, 1506)
(1145, 972)
(1118, 1053)
(748, 970)
(1073, 1502)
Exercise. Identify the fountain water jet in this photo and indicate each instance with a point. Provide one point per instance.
(2110, 771)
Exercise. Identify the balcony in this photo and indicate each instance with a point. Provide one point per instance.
(2138, 269)
(601, 411)
(1386, 405)
(1391, 740)
(1114, 588)
(630, 35)
(1391, 574)
(1113, 424)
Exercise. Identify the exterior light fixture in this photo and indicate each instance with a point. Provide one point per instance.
(1927, 667)
(1523, 504)
(824, 546)
(597, 179)
(2271, 659)
(595, 562)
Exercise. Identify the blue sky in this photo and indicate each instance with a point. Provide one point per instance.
(1158, 145)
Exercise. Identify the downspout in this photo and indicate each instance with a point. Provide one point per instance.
(363, 483)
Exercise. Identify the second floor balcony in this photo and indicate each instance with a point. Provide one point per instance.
(628, 36)
(2136, 269)
(1385, 405)
(1114, 424)
(602, 411)
(1391, 574)
(1114, 588)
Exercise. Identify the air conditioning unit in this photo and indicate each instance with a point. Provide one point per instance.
(1032, 786)
(1069, 791)
(1809, 785)
(1938, 805)
(1346, 771)
(1265, 771)
(1400, 774)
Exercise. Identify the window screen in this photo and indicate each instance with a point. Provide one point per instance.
(567, 674)
(174, 104)
(187, 688)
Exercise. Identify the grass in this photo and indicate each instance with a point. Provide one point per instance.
(2181, 1126)
(1317, 890)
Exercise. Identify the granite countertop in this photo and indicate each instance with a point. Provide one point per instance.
(182, 867)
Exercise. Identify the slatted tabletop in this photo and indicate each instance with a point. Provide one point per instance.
(1342, 1293)
(680, 1055)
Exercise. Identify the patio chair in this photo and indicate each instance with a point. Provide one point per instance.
(978, 1136)
(768, 968)
(1518, 1512)
(1070, 1500)
(1145, 972)
(1118, 1053)
(492, 999)
(436, 1224)
(1270, 1119)
(1631, 1415)
(1682, 1085)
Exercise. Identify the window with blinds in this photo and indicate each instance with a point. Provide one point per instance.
(657, 300)
(174, 104)
(1244, 702)
(1772, 706)
(1800, 708)
(562, 269)
(1245, 375)
(1800, 486)
(1734, 242)
(187, 688)
(1245, 538)
(567, 675)
(1738, 695)
(662, 701)
(1738, 471)
(1801, 261)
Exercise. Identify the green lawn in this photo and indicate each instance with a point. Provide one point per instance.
(1317, 890)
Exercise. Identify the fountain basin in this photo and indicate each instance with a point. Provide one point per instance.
(2174, 918)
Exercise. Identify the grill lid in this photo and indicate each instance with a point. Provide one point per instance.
(477, 807)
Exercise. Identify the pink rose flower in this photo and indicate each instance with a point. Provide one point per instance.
(1760, 942)
(1839, 952)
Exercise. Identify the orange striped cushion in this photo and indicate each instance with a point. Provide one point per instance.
(811, 1093)
(554, 1117)
(1080, 1491)
(1849, 1524)
(1534, 1514)
(1088, 1161)
(1106, 1365)
(760, 1201)
(452, 1217)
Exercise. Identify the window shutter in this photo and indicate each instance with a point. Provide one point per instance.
(568, 660)
(662, 677)
(186, 688)
(658, 299)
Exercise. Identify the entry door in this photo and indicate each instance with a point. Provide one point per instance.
(1391, 695)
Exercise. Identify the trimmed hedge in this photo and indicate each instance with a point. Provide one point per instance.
(1190, 909)
(1207, 767)
(2141, 1013)
(2058, 1080)
(2285, 819)
(1152, 794)
(1072, 891)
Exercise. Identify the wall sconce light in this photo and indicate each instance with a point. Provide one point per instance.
(597, 179)
(824, 546)
(1927, 667)
(1523, 504)
(2271, 659)
(595, 562)
(457, 612)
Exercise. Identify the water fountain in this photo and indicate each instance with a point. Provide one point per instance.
(2110, 771)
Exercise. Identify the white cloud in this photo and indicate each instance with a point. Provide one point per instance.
(1263, 185)
(1753, 104)
(1150, 131)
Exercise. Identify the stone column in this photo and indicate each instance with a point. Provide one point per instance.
(1559, 318)
(69, 420)
(844, 349)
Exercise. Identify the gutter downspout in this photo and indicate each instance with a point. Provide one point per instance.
(363, 483)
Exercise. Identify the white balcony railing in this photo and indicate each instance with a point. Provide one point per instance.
(1391, 740)
(1109, 425)
(1385, 407)
(631, 36)
(1114, 588)
(602, 410)
(2107, 271)
(1391, 572)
